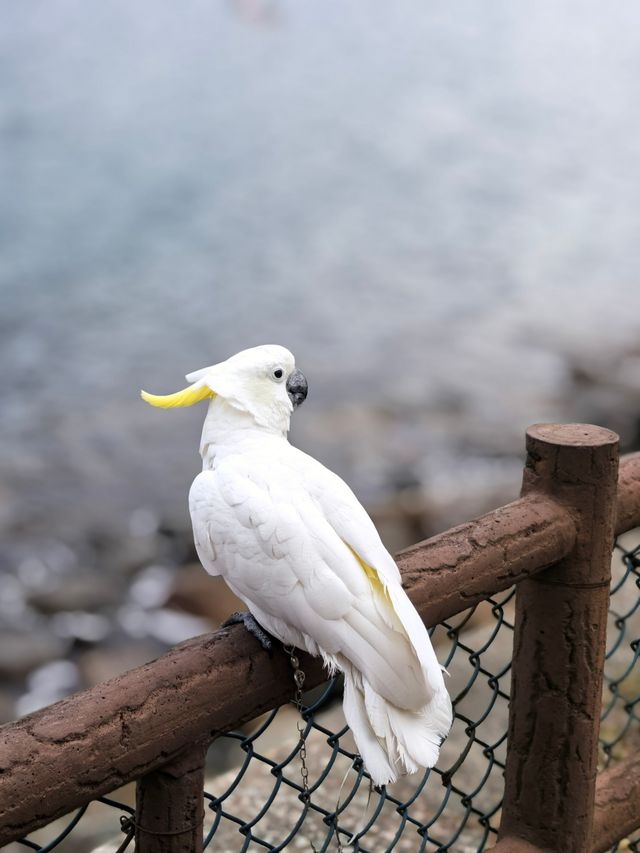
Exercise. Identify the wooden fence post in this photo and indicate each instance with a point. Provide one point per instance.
(559, 645)
(170, 805)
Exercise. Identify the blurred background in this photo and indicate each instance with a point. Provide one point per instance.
(435, 206)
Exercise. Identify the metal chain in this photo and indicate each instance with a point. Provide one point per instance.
(299, 679)
(128, 826)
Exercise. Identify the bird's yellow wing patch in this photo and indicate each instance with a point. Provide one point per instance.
(372, 575)
(186, 397)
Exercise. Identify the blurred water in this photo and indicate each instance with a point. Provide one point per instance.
(435, 206)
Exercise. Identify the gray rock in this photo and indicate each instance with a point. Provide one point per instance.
(78, 625)
(114, 657)
(23, 651)
(86, 591)
(48, 684)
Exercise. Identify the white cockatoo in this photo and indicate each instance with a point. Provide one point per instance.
(293, 542)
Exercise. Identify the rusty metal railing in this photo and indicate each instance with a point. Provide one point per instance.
(152, 725)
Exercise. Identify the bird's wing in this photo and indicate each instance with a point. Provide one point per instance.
(349, 519)
(258, 525)
(253, 534)
(204, 506)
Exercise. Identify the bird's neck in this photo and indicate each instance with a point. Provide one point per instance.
(228, 429)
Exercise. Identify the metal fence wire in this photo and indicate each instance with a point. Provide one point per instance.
(260, 804)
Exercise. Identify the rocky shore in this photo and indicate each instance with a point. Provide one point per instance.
(82, 601)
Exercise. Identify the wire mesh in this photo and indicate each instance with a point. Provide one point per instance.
(90, 828)
(455, 806)
(259, 803)
(619, 730)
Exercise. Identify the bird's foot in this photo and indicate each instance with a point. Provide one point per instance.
(252, 627)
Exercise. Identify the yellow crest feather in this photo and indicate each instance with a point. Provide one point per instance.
(186, 397)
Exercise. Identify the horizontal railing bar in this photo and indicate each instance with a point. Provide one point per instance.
(63, 756)
(628, 509)
(501, 548)
(617, 806)
(94, 742)
(467, 564)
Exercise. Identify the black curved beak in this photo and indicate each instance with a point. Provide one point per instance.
(297, 388)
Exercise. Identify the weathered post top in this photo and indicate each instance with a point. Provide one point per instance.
(563, 456)
(572, 435)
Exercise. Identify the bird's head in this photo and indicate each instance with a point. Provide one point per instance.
(262, 381)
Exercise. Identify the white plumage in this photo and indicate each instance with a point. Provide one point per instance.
(292, 541)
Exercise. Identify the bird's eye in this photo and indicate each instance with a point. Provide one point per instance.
(278, 374)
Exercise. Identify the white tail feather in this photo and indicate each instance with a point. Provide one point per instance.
(418, 637)
(391, 740)
(369, 747)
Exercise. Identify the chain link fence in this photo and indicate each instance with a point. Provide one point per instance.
(260, 803)
(455, 806)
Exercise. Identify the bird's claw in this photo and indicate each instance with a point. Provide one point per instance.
(252, 627)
